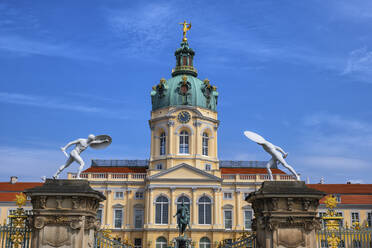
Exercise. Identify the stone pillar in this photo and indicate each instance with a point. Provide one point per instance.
(64, 214)
(285, 214)
(215, 207)
(238, 210)
(151, 206)
(173, 207)
(128, 208)
(194, 208)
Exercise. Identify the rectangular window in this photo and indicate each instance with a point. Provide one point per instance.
(159, 166)
(119, 195)
(369, 219)
(207, 167)
(248, 214)
(354, 217)
(138, 218)
(139, 195)
(99, 216)
(137, 243)
(338, 198)
(118, 218)
(228, 219)
(227, 195)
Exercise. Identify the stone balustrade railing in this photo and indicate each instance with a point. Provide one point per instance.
(111, 176)
(256, 177)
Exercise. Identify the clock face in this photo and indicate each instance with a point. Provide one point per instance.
(183, 117)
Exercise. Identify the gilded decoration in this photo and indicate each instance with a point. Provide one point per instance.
(18, 221)
(185, 27)
(332, 221)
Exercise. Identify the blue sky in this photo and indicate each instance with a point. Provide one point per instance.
(297, 72)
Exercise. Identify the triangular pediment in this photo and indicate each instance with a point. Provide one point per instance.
(183, 172)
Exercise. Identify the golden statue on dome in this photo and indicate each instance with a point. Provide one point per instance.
(186, 27)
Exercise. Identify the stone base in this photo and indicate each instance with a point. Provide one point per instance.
(285, 214)
(182, 242)
(64, 214)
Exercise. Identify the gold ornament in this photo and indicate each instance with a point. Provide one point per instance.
(186, 27)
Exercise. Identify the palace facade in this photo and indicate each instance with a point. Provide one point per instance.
(183, 166)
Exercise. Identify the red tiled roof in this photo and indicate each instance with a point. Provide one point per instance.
(17, 187)
(349, 193)
(9, 191)
(114, 169)
(343, 188)
(8, 196)
(249, 171)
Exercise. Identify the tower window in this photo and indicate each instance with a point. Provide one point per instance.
(184, 142)
(184, 62)
(162, 143)
(205, 144)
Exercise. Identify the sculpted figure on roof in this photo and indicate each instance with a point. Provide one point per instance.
(277, 153)
(96, 142)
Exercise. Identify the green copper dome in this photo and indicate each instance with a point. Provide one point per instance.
(184, 88)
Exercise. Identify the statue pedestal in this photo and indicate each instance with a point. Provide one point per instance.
(64, 214)
(285, 214)
(182, 242)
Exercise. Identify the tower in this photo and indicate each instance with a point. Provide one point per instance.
(184, 119)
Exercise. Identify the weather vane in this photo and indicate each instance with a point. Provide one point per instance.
(186, 27)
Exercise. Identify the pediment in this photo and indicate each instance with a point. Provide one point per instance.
(183, 172)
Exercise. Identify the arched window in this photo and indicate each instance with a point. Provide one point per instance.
(161, 242)
(161, 210)
(162, 143)
(205, 210)
(205, 144)
(204, 243)
(185, 200)
(184, 142)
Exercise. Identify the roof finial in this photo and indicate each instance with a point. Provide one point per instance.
(186, 27)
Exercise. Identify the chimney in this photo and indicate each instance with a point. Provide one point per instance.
(13, 179)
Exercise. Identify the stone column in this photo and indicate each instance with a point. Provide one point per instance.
(285, 214)
(64, 214)
(128, 208)
(194, 208)
(238, 210)
(172, 207)
(151, 206)
(215, 207)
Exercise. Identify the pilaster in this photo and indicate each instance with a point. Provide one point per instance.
(194, 208)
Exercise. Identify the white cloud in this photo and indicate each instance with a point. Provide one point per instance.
(333, 146)
(44, 102)
(25, 46)
(333, 163)
(54, 103)
(359, 64)
(142, 28)
(29, 164)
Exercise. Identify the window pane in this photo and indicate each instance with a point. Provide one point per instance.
(158, 214)
(201, 213)
(118, 218)
(208, 214)
(248, 219)
(165, 213)
(228, 219)
(99, 215)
